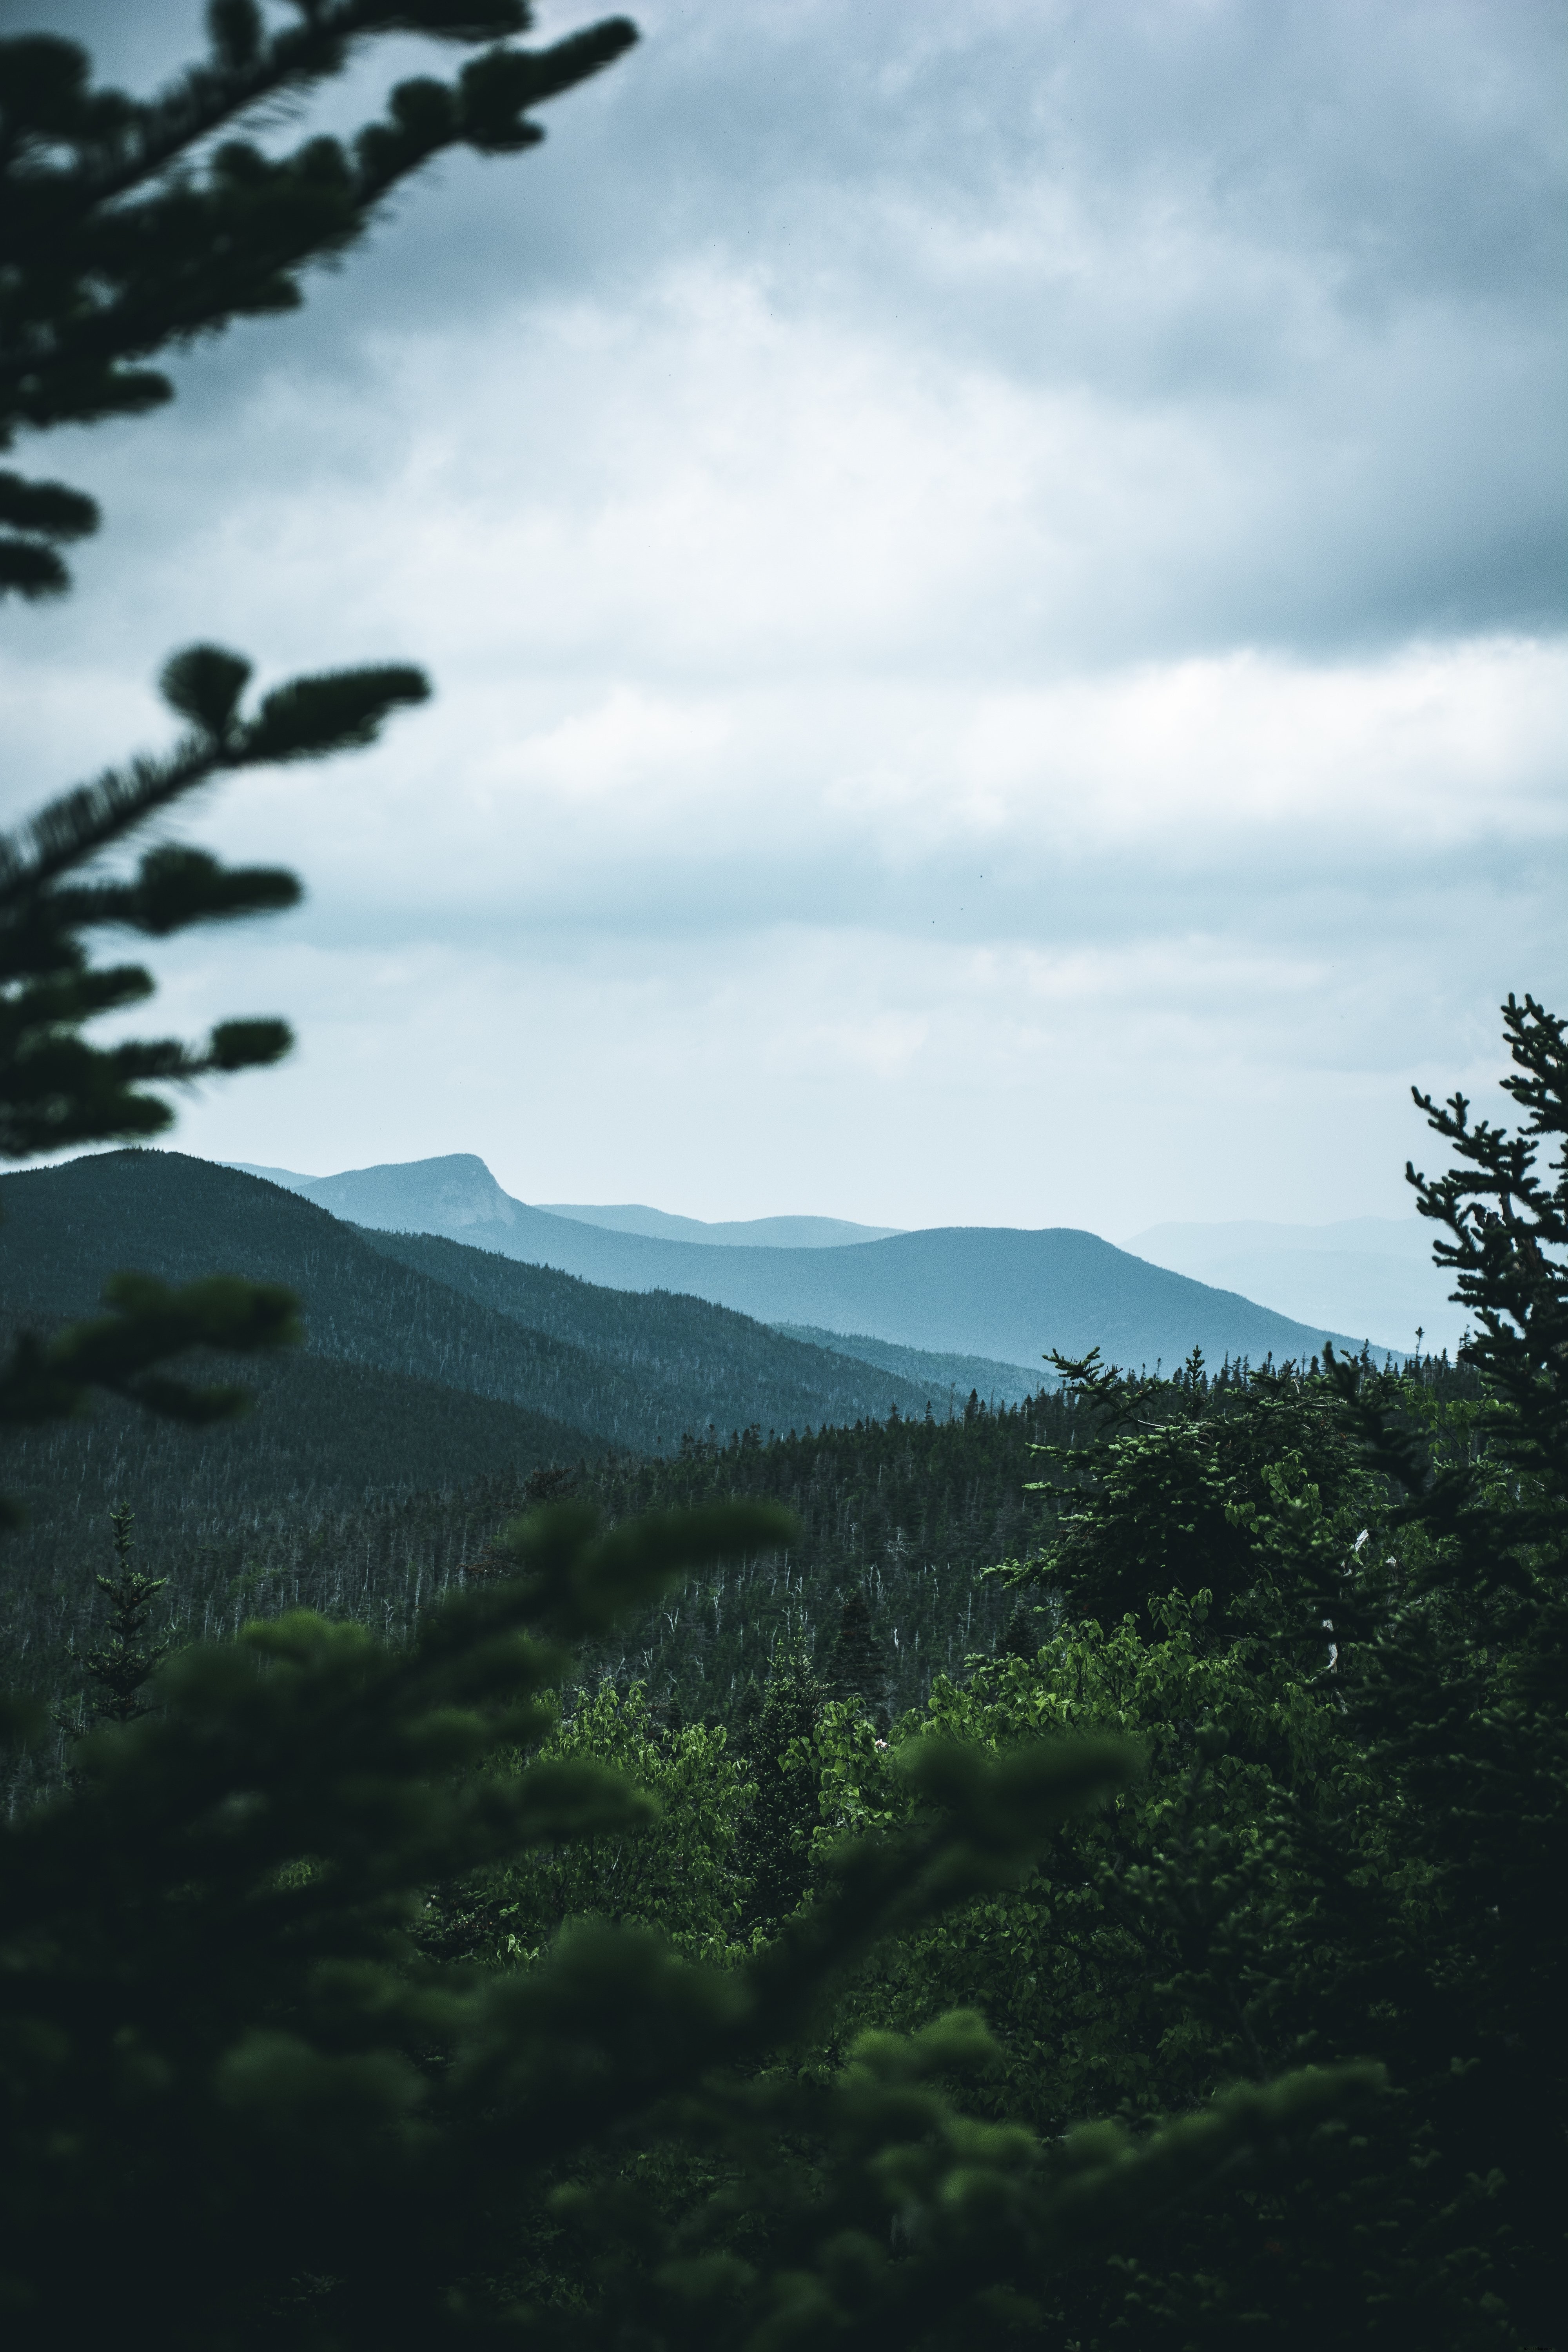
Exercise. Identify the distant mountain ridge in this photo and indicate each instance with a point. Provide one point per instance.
(469, 1191)
(745, 1233)
(634, 1372)
(1375, 1271)
(997, 1292)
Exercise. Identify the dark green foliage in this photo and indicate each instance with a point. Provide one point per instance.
(1351, 1838)
(911, 1511)
(212, 2008)
(1245, 1487)
(134, 226)
(118, 1669)
(303, 1503)
(695, 1366)
(1022, 1635)
(858, 1663)
(773, 1853)
(1496, 1525)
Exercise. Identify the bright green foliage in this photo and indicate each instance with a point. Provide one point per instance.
(780, 1827)
(673, 1868)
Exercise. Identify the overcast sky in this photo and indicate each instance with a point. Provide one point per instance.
(996, 577)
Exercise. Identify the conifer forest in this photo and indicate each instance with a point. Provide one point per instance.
(505, 1847)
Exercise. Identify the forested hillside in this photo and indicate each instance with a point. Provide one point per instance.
(688, 1361)
(245, 1524)
(434, 1371)
(231, 1511)
(638, 1371)
(908, 1511)
(992, 1381)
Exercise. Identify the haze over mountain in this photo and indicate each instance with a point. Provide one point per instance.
(1375, 1271)
(1000, 1293)
(745, 1233)
(660, 1225)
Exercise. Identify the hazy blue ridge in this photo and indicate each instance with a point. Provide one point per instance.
(762, 1232)
(1378, 1270)
(997, 1292)
(952, 1378)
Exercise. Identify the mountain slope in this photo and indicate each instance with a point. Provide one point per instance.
(757, 1233)
(635, 1372)
(731, 1372)
(1375, 1271)
(323, 1437)
(972, 1290)
(951, 1377)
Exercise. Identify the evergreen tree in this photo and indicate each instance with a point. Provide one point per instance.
(1349, 1838)
(1020, 1637)
(858, 1664)
(117, 1669)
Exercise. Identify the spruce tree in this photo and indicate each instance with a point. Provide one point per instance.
(118, 1669)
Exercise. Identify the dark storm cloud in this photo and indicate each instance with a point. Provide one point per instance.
(1323, 241)
(1114, 450)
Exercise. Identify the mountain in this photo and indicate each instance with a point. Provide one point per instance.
(705, 1365)
(431, 1366)
(471, 1202)
(954, 1377)
(624, 1371)
(747, 1233)
(1362, 1273)
(972, 1290)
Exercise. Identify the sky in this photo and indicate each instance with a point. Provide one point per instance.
(996, 578)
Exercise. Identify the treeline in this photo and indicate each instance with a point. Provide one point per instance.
(910, 1510)
(271, 1515)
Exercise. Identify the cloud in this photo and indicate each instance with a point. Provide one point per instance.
(995, 577)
